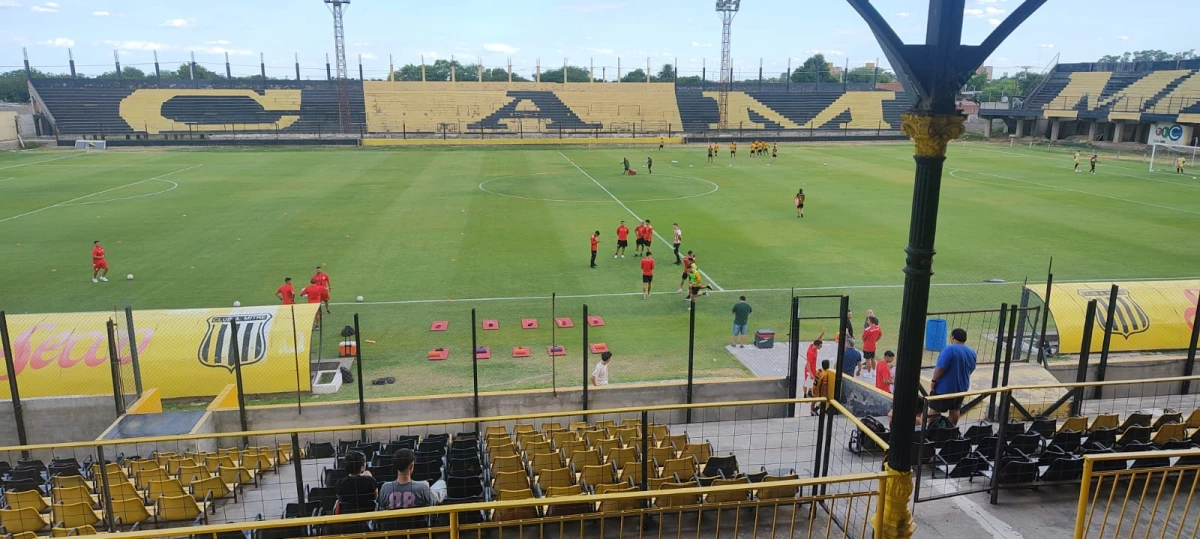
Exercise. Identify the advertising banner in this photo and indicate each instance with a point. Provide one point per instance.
(1149, 315)
(183, 353)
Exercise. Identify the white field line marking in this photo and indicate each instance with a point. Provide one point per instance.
(748, 290)
(1113, 165)
(635, 216)
(68, 202)
(43, 161)
(991, 525)
(6, 179)
(1068, 189)
(173, 187)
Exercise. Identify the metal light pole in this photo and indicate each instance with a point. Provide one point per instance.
(727, 10)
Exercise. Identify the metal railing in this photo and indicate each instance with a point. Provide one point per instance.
(1144, 494)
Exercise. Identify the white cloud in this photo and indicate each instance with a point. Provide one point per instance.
(218, 50)
(699, 44)
(176, 23)
(135, 45)
(48, 7)
(826, 52)
(100, 13)
(362, 44)
(500, 47)
(58, 42)
(994, 22)
(1123, 38)
(902, 14)
(994, 11)
(368, 56)
(9, 3)
(1045, 45)
(972, 12)
(217, 42)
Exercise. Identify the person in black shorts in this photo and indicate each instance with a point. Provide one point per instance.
(710, 154)
(649, 165)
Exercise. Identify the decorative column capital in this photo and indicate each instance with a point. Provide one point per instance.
(894, 517)
(933, 132)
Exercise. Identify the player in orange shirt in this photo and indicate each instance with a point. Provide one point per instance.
(98, 262)
(647, 274)
(622, 240)
(648, 235)
(286, 293)
(639, 234)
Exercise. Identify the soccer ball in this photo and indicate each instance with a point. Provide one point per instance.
(359, 299)
(129, 277)
(237, 304)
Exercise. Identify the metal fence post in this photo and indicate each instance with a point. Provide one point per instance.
(1045, 317)
(113, 360)
(358, 361)
(1085, 351)
(1190, 365)
(998, 458)
(474, 364)
(106, 492)
(794, 355)
(1110, 314)
(645, 444)
(827, 414)
(691, 353)
(998, 358)
(1008, 358)
(1022, 320)
(13, 390)
(586, 374)
(236, 356)
(133, 351)
(296, 456)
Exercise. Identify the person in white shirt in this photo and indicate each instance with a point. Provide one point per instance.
(600, 375)
(678, 239)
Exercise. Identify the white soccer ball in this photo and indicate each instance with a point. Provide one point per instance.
(359, 299)
(824, 164)
(237, 304)
(129, 277)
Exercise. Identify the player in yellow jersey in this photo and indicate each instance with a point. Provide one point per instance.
(733, 149)
(1179, 165)
(1076, 161)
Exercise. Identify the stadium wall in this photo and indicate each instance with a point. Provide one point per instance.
(51, 420)
(1129, 369)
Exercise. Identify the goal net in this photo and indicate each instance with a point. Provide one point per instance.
(1164, 156)
(90, 145)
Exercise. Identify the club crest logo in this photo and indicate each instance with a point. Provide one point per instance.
(1128, 316)
(216, 348)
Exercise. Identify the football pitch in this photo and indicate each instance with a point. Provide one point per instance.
(502, 229)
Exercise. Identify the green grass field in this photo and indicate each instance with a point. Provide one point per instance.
(409, 229)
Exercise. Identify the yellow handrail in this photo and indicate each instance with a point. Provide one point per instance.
(1082, 512)
(859, 424)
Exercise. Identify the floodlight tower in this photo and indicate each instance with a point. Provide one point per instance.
(339, 47)
(727, 9)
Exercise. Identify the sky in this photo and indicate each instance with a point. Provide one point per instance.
(529, 31)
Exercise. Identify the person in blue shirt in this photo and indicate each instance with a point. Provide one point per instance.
(953, 374)
(851, 360)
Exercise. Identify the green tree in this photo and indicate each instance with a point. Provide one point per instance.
(409, 72)
(977, 82)
(127, 72)
(666, 74)
(637, 75)
(866, 74)
(14, 88)
(693, 80)
(814, 69)
(1109, 59)
(184, 72)
(555, 74)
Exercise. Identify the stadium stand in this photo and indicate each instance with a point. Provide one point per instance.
(143, 109)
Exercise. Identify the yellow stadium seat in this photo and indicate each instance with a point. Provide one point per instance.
(178, 509)
(22, 520)
(74, 494)
(660, 454)
(167, 487)
(1075, 423)
(606, 445)
(578, 426)
(700, 451)
(75, 515)
(682, 468)
(678, 500)
(778, 493)
(598, 474)
(69, 481)
(619, 456)
(510, 463)
(213, 488)
(236, 475)
(545, 461)
(558, 477)
(191, 474)
(570, 447)
(582, 458)
(616, 506)
(146, 476)
(533, 448)
(71, 532)
(552, 427)
(1168, 432)
(516, 513)
(130, 511)
(515, 480)
(27, 498)
(731, 496)
(675, 441)
(593, 436)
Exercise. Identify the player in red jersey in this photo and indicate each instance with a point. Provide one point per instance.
(322, 278)
(648, 232)
(99, 263)
(639, 233)
(286, 293)
(688, 260)
(870, 337)
(810, 360)
(622, 240)
(316, 293)
(595, 247)
(647, 274)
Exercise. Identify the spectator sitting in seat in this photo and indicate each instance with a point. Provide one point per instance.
(356, 493)
(404, 493)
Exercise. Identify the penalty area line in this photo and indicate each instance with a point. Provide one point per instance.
(635, 216)
(76, 199)
(42, 161)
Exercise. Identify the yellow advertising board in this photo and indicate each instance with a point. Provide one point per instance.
(183, 353)
(1148, 315)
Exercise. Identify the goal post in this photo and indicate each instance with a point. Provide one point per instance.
(90, 145)
(1168, 153)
